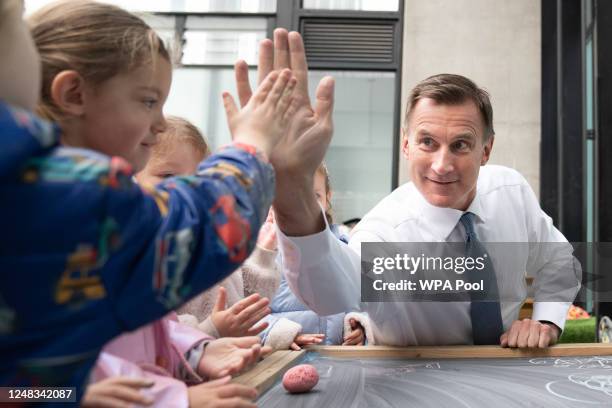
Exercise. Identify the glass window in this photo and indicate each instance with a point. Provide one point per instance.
(199, 6)
(363, 5)
(222, 40)
(589, 84)
(196, 96)
(181, 6)
(363, 134)
(164, 27)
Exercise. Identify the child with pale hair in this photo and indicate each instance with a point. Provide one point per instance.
(96, 246)
(178, 151)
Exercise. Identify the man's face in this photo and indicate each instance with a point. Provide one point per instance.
(445, 149)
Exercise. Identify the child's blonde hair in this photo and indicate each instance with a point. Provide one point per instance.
(180, 130)
(97, 40)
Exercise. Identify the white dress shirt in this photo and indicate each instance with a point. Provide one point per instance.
(325, 273)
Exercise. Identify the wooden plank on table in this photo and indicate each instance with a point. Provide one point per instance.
(267, 371)
(575, 349)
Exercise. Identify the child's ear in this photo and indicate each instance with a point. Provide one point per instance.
(67, 92)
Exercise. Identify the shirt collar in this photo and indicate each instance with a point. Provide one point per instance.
(442, 221)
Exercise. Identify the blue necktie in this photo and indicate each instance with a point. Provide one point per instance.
(485, 314)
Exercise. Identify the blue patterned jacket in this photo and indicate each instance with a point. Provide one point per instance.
(85, 254)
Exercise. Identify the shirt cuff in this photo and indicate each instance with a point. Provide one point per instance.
(554, 312)
(306, 250)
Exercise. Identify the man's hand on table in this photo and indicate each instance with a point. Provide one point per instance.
(529, 333)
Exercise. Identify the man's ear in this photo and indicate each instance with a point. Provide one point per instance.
(486, 153)
(67, 92)
(405, 145)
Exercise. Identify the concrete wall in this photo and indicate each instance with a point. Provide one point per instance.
(497, 44)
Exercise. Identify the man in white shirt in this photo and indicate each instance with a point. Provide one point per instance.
(447, 137)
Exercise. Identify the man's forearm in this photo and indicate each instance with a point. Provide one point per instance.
(296, 209)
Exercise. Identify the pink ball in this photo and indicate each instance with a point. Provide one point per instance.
(301, 378)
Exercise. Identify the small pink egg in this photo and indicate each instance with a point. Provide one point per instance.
(301, 378)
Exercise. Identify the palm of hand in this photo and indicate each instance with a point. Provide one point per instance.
(221, 354)
(306, 142)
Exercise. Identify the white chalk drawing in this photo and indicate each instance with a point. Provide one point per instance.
(599, 383)
(400, 370)
(575, 362)
(549, 388)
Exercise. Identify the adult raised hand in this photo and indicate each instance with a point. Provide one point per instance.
(297, 156)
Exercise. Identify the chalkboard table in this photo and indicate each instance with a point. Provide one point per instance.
(567, 375)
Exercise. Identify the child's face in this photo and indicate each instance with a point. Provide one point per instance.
(180, 159)
(123, 115)
(323, 196)
(20, 67)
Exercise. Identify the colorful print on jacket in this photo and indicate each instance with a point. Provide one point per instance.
(83, 247)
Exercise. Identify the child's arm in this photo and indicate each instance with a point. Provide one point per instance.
(109, 249)
(111, 373)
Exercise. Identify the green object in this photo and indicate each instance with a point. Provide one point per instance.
(579, 331)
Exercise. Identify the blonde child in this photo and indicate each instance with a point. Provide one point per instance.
(165, 352)
(85, 246)
(178, 151)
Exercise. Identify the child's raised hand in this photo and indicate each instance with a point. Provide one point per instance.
(302, 340)
(221, 393)
(240, 318)
(357, 335)
(267, 233)
(230, 355)
(117, 392)
(266, 117)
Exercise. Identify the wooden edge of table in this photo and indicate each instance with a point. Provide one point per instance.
(559, 350)
(267, 371)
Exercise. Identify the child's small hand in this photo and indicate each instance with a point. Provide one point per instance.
(221, 393)
(302, 340)
(357, 335)
(239, 319)
(265, 118)
(117, 392)
(267, 233)
(230, 355)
